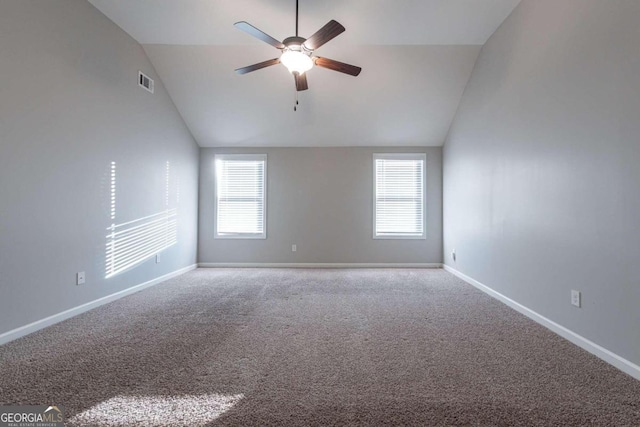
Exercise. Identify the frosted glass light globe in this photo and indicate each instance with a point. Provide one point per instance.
(296, 61)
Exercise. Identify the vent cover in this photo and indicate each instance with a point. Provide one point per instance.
(145, 81)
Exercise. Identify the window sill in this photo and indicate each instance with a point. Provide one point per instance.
(240, 237)
(400, 237)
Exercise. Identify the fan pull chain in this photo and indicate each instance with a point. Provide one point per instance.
(295, 106)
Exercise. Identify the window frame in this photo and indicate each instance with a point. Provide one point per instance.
(246, 157)
(401, 156)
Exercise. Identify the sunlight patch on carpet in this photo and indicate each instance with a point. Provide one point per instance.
(157, 410)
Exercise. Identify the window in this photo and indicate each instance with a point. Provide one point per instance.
(240, 196)
(399, 196)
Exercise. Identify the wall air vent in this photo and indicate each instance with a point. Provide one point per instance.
(145, 81)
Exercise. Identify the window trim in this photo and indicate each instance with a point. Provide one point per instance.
(401, 156)
(258, 236)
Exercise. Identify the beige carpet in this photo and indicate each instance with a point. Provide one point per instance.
(313, 347)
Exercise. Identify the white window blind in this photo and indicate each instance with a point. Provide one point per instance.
(240, 195)
(399, 196)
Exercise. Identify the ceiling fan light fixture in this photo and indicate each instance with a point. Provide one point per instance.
(296, 61)
(297, 53)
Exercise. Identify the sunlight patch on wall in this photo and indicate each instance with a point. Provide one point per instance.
(121, 411)
(132, 242)
(113, 190)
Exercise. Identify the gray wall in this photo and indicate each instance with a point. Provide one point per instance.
(321, 199)
(541, 176)
(69, 106)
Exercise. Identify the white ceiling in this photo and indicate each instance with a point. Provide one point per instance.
(416, 55)
(406, 95)
(377, 22)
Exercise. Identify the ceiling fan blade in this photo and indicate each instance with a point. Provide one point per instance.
(337, 66)
(259, 65)
(324, 34)
(301, 81)
(250, 29)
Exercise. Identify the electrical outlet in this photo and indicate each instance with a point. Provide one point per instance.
(157, 258)
(294, 248)
(80, 278)
(576, 298)
(453, 254)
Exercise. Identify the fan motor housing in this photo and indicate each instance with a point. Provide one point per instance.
(294, 41)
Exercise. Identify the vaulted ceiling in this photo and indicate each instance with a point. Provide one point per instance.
(416, 55)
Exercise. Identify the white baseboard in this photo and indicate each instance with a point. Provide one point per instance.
(314, 265)
(48, 321)
(593, 348)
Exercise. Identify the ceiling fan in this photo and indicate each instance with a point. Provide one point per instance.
(298, 52)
